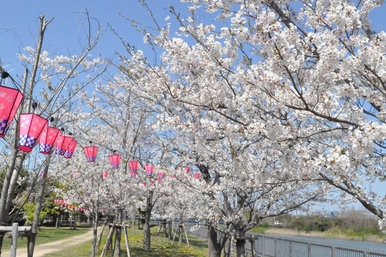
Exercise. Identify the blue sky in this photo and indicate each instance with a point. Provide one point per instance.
(20, 24)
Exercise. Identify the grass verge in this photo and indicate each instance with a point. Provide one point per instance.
(160, 246)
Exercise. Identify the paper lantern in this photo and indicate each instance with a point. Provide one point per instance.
(115, 159)
(30, 127)
(133, 168)
(91, 152)
(161, 174)
(65, 142)
(149, 169)
(10, 100)
(70, 149)
(59, 143)
(47, 139)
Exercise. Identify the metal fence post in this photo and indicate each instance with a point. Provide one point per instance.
(262, 246)
(275, 251)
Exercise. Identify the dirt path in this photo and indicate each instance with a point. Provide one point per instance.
(41, 250)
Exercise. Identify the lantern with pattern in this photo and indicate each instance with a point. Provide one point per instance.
(133, 168)
(10, 100)
(47, 139)
(91, 152)
(59, 143)
(30, 127)
(65, 142)
(115, 159)
(149, 169)
(70, 149)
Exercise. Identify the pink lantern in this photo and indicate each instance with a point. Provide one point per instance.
(133, 168)
(70, 149)
(10, 100)
(197, 175)
(91, 152)
(187, 169)
(149, 169)
(30, 128)
(161, 174)
(115, 159)
(66, 141)
(47, 139)
(59, 143)
(105, 174)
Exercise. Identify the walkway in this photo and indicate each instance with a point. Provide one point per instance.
(56, 246)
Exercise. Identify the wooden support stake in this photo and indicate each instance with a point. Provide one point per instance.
(108, 241)
(186, 236)
(126, 241)
(100, 236)
(15, 234)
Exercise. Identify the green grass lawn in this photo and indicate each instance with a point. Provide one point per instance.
(46, 235)
(160, 246)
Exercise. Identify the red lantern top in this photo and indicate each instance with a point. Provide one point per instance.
(149, 169)
(70, 149)
(47, 139)
(91, 152)
(133, 166)
(30, 128)
(115, 159)
(10, 100)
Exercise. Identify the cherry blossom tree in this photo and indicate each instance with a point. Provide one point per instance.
(293, 88)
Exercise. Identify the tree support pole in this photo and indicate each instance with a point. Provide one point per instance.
(126, 241)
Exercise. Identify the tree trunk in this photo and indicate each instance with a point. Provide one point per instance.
(1, 241)
(117, 245)
(240, 246)
(118, 234)
(170, 229)
(164, 222)
(214, 247)
(95, 235)
(146, 224)
(179, 233)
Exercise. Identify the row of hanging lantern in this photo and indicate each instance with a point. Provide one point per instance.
(32, 127)
(64, 203)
